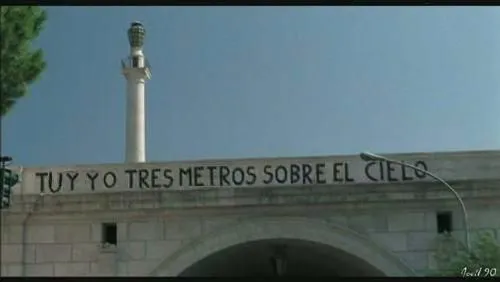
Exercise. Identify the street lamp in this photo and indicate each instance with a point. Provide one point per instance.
(367, 156)
(7, 181)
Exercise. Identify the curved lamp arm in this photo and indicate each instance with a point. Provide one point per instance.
(374, 157)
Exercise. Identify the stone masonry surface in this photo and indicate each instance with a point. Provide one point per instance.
(60, 235)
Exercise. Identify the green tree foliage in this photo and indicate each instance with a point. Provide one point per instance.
(20, 65)
(453, 258)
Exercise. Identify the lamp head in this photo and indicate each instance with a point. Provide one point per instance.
(5, 159)
(367, 156)
(136, 34)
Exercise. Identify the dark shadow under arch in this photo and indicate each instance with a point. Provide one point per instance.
(303, 258)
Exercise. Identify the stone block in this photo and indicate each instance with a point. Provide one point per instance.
(73, 233)
(458, 219)
(15, 234)
(72, 269)
(421, 241)
(122, 269)
(484, 218)
(141, 267)
(432, 262)
(182, 229)
(368, 223)
(12, 253)
(84, 252)
(416, 260)
(161, 249)
(406, 222)
(30, 253)
(132, 250)
(430, 221)
(40, 234)
(14, 270)
(44, 269)
(53, 253)
(423, 272)
(5, 234)
(96, 269)
(151, 230)
(96, 232)
(211, 224)
(394, 241)
(105, 265)
(122, 231)
(338, 220)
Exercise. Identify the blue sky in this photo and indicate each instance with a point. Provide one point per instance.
(238, 82)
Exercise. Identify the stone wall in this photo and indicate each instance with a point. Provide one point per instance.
(63, 232)
(64, 245)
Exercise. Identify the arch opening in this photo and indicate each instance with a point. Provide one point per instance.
(308, 242)
(280, 257)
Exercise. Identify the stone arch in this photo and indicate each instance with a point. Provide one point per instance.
(264, 228)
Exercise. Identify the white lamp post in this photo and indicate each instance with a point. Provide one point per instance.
(136, 70)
